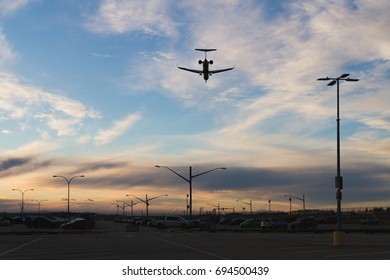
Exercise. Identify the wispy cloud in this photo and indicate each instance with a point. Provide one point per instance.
(25, 102)
(8, 7)
(118, 128)
(6, 53)
(121, 16)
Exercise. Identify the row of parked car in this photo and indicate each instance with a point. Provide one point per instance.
(180, 222)
(163, 222)
(32, 222)
(273, 224)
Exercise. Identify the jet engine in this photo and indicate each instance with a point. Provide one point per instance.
(211, 62)
(200, 61)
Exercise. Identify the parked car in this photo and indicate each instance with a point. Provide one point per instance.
(369, 221)
(143, 221)
(236, 221)
(327, 220)
(197, 224)
(79, 223)
(304, 223)
(273, 224)
(251, 223)
(4, 222)
(173, 221)
(40, 222)
(17, 220)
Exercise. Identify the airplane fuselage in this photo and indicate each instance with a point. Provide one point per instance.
(206, 70)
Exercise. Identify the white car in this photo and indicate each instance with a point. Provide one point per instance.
(172, 221)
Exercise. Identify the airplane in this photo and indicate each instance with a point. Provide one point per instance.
(205, 72)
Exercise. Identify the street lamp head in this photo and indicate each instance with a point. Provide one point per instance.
(351, 80)
(332, 83)
(344, 76)
(224, 168)
(157, 166)
(323, 79)
(82, 176)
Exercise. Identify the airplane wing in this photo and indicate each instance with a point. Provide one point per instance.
(191, 70)
(220, 70)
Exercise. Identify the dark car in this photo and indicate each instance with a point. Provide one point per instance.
(369, 221)
(236, 221)
(79, 223)
(273, 224)
(304, 223)
(251, 223)
(39, 222)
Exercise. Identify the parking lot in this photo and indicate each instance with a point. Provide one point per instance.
(111, 241)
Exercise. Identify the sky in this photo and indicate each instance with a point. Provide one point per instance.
(92, 88)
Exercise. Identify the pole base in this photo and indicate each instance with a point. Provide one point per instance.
(338, 238)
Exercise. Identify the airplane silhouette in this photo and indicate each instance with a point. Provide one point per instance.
(205, 72)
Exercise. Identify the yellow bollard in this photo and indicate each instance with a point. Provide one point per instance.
(338, 238)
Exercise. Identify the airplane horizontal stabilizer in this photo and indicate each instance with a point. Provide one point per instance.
(206, 50)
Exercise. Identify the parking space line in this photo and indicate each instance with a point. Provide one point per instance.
(358, 254)
(21, 246)
(191, 248)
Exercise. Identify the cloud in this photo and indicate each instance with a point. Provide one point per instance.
(8, 7)
(118, 128)
(24, 102)
(6, 131)
(12, 162)
(6, 53)
(121, 16)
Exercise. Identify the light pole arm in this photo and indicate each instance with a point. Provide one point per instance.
(223, 168)
(140, 199)
(301, 199)
(173, 171)
(131, 204)
(157, 196)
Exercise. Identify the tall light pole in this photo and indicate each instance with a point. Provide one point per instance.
(217, 207)
(68, 181)
(39, 204)
(301, 199)
(22, 193)
(124, 205)
(339, 178)
(189, 179)
(248, 203)
(146, 201)
(131, 205)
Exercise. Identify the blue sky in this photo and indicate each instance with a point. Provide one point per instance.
(93, 87)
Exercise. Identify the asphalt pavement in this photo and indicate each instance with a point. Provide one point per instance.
(112, 241)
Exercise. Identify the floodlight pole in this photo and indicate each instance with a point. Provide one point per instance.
(22, 193)
(339, 178)
(39, 204)
(68, 181)
(189, 180)
(303, 199)
(247, 203)
(146, 201)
